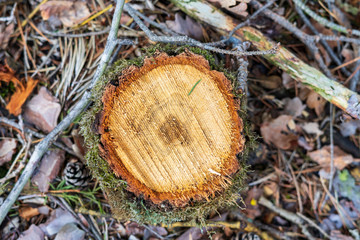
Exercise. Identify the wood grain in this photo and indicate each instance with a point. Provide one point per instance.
(171, 130)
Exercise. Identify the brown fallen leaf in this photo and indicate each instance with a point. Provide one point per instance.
(323, 158)
(252, 207)
(27, 212)
(7, 75)
(7, 149)
(277, 132)
(312, 128)
(287, 81)
(270, 82)
(5, 33)
(237, 7)
(20, 96)
(294, 107)
(43, 110)
(240, 9)
(34, 232)
(56, 221)
(68, 12)
(49, 169)
(224, 3)
(186, 26)
(348, 55)
(316, 102)
(337, 235)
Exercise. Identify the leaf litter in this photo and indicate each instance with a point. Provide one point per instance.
(292, 122)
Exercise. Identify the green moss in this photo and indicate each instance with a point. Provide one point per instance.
(124, 204)
(7, 89)
(251, 37)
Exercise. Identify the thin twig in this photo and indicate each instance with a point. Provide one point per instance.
(64, 205)
(260, 225)
(189, 41)
(323, 42)
(21, 163)
(71, 35)
(39, 135)
(162, 27)
(313, 224)
(332, 168)
(10, 18)
(287, 215)
(244, 23)
(355, 77)
(41, 148)
(324, 21)
(45, 60)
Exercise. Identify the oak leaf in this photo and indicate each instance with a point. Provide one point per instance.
(280, 132)
(68, 12)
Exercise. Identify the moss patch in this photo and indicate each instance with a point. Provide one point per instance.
(125, 205)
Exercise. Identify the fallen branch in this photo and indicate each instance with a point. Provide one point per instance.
(332, 91)
(41, 148)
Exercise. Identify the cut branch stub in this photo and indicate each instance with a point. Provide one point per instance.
(171, 130)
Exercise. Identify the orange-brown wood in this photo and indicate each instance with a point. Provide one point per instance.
(171, 130)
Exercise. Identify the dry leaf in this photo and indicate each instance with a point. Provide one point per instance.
(251, 201)
(56, 221)
(28, 212)
(224, 3)
(323, 158)
(312, 128)
(70, 231)
(287, 80)
(186, 26)
(7, 149)
(49, 169)
(34, 232)
(337, 235)
(233, 6)
(240, 9)
(277, 132)
(68, 12)
(43, 110)
(20, 96)
(5, 33)
(8, 77)
(270, 82)
(294, 107)
(316, 102)
(348, 55)
(271, 189)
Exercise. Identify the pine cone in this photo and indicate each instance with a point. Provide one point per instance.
(76, 174)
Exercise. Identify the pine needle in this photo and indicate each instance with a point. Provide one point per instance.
(192, 89)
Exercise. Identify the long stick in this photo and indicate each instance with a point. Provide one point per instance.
(312, 78)
(41, 148)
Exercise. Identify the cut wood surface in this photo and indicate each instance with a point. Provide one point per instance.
(171, 130)
(312, 78)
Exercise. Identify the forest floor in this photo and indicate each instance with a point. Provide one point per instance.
(304, 175)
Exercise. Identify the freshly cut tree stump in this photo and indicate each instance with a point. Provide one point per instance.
(170, 129)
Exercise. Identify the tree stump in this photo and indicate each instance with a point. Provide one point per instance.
(170, 130)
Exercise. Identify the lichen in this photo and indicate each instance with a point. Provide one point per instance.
(125, 205)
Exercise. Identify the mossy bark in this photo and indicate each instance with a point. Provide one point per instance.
(135, 205)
